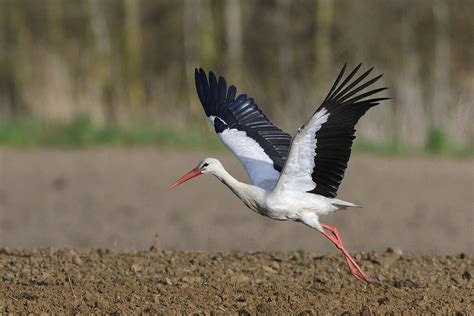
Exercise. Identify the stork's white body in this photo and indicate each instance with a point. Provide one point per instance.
(279, 204)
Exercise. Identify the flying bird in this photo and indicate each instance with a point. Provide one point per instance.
(293, 178)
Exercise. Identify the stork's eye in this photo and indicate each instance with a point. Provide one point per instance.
(205, 165)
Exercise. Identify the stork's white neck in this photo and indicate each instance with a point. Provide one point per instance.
(251, 195)
(232, 183)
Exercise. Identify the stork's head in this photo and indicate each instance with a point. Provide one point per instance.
(208, 165)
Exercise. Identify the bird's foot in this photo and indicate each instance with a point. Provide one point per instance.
(359, 274)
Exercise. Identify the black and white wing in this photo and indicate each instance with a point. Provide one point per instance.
(321, 149)
(259, 145)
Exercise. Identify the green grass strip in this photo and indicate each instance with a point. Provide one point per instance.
(82, 132)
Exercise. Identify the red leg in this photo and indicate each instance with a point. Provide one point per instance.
(354, 268)
(338, 242)
(350, 263)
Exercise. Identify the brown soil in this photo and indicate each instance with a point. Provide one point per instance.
(270, 283)
(119, 199)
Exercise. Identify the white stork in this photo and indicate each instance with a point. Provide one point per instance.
(292, 178)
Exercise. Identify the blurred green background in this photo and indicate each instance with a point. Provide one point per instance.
(121, 72)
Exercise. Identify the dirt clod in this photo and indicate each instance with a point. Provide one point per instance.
(405, 283)
(383, 301)
(466, 276)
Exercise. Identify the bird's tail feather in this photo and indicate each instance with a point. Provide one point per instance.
(343, 204)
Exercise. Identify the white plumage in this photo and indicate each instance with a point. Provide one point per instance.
(256, 162)
(296, 175)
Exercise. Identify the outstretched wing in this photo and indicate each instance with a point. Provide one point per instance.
(260, 146)
(321, 149)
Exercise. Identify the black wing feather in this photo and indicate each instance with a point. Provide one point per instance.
(336, 135)
(243, 114)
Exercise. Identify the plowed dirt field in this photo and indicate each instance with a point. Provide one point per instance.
(271, 283)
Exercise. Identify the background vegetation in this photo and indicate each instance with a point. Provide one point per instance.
(121, 72)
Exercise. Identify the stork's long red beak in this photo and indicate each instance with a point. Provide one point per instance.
(188, 176)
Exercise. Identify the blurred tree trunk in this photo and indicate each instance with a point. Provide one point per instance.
(102, 73)
(234, 39)
(286, 63)
(322, 43)
(408, 115)
(54, 16)
(190, 28)
(442, 64)
(4, 75)
(19, 58)
(207, 35)
(133, 65)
